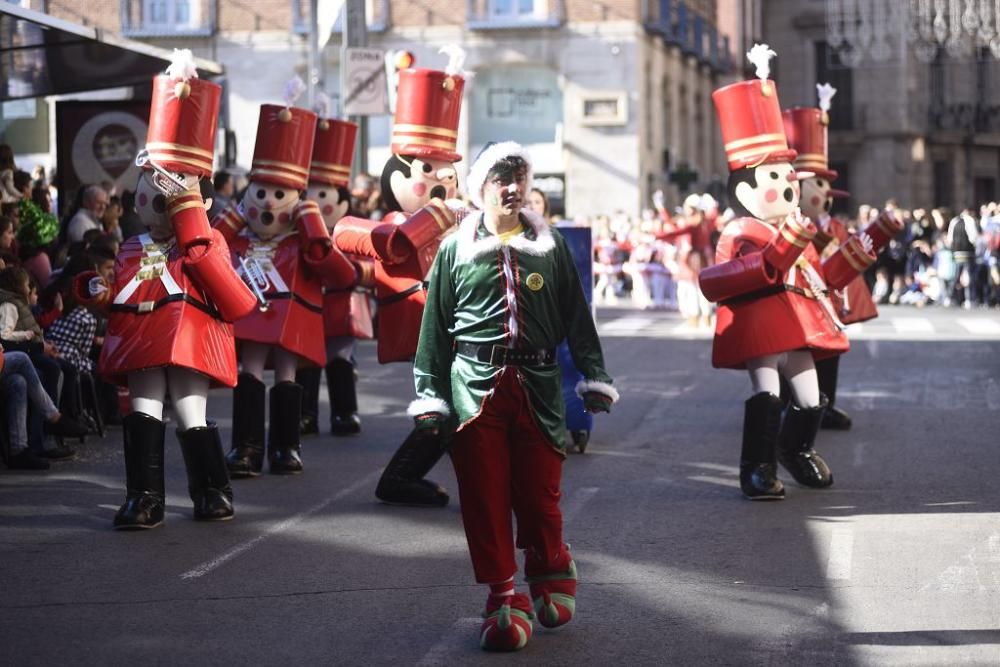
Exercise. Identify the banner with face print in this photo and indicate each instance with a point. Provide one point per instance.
(96, 141)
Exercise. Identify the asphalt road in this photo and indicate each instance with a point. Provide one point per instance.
(897, 564)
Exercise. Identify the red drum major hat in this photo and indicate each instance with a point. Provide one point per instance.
(183, 117)
(805, 128)
(333, 152)
(428, 107)
(750, 117)
(284, 143)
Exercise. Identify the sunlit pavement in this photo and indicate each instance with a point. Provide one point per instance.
(897, 564)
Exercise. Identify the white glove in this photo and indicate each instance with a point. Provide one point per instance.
(866, 242)
(97, 286)
(658, 200)
(824, 222)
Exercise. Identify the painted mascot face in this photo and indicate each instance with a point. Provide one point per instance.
(816, 200)
(409, 183)
(151, 205)
(268, 209)
(768, 192)
(333, 201)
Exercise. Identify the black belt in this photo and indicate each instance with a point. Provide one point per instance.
(399, 296)
(498, 355)
(767, 291)
(144, 307)
(271, 296)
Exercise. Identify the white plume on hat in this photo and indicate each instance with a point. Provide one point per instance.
(293, 89)
(322, 105)
(456, 61)
(182, 67)
(487, 158)
(760, 56)
(825, 92)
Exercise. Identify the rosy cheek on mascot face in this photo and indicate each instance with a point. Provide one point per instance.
(327, 209)
(253, 213)
(451, 193)
(815, 200)
(284, 218)
(143, 199)
(420, 189)
(771, 196)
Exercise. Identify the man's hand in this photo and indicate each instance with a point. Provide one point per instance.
(594, 402)
(50, 350)
(429, 422)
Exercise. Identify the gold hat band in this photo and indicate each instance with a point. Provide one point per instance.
(424, 129)
(173, 146)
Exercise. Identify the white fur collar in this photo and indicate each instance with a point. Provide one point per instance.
(470, 247)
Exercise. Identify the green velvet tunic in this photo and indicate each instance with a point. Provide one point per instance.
(473, 284)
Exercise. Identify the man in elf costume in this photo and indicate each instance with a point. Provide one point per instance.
(346, 315)
(171, 304)
(775, 317)
(416, 181)
(282, 247)
(806, 131)
(504, 291)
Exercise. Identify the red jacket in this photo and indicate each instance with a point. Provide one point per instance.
(854, 303)
(780, 313)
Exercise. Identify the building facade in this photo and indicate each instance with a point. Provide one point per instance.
(612, 98)
(924, 133)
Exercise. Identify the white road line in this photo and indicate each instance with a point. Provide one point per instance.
(979, 326)
(627, 324)
(575, 503)
(911, 325)
(838, 563)
(280, 527)
(854, 329)
(460, 638)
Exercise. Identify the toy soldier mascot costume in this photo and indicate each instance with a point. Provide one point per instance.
(503, 293)
(806, 131)
(415, 182)
(346, 314)
(282, 248)
(774, 316)
(171, 304)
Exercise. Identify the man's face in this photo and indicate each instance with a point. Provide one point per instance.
(504, 194)
(99, 203)
(106, 269)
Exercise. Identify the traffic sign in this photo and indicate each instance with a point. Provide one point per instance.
(366, 88)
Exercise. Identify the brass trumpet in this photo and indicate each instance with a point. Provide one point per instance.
(167, 182)
(256, 279)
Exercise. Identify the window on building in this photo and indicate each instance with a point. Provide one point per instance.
(830, 70)
(512, 9)
(171, 14)
(943, 183)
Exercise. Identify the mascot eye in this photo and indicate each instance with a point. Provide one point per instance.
(279, 194)
(322, 194)
(427, 168)
(774, 175)
(820, 183)
(261, 193)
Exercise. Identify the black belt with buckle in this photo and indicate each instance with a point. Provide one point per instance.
(498, 355)
(149, 306)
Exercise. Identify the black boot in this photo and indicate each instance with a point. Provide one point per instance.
(246, 458)
(143, 438)
(758, 463)
(834, 418)
(402, 481)
(283, 446)
(309, 377)
(344, 419)
(208, 479)
(795, 446)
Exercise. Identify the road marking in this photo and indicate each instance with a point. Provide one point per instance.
(838, 563)
(280, 527)
(910, 325)
(629, 324)
(457, 640)
(979, 326)
(728, 482)
(854, 329)
(576, 502)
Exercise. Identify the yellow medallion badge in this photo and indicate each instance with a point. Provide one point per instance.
(534, 281)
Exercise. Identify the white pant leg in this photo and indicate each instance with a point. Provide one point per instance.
(189, 391)
(285, 363)
(799, 369)
(253, 357)
(764, 374)
(147, 390)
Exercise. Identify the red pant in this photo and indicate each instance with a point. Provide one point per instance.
(504, 462)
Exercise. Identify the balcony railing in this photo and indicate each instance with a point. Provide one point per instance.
(376, 16)
(168, 18)
(680, 26)
(507, 14)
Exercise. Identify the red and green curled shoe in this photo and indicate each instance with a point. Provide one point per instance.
(554, 596)
(508, 623)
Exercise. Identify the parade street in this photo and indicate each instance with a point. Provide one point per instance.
(897, 564)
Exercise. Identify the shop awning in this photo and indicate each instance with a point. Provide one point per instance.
(41, 55)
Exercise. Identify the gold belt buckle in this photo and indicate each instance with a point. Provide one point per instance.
(146, 306)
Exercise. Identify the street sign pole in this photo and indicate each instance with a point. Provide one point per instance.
(355, 34)
(314, 76)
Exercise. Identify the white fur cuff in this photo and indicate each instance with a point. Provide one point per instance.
(604, 388)
(422, 406)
